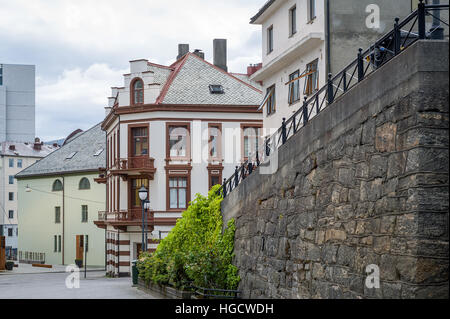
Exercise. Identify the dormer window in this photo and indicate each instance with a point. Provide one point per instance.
(216, 89)
(71, 155)
(137, 91)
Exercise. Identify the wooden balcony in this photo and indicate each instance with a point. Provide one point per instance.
(142, 165)
(101, 179)
(133, 217)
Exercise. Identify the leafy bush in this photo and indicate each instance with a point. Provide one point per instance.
(196, 250)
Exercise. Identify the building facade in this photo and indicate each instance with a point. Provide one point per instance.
(58, 201)
(176, 130)
(17, 103)
(15, 157)
(305, 40)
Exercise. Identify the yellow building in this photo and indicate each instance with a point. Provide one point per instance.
(58, 201)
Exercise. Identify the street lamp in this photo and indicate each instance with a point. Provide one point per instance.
(143, 193)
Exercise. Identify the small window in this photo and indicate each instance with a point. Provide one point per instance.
(293, 21)
(137, 91)
(57, 186)
(312, 79)
(19, 163)
(11, 214)
(11, 162)
(98, 152)
(215, 136)
(178, 141)
(10, 232)
(251, 136)
(11, 179)
(311, 10)
(84, 184)
(57, 215)
(11, 196)
(59, 243)
(269, 39)
(55, 243)
(84, 213)
(270, 100)
(177, 192)
(216, 89)
(1, 74)
(140, 141)
(71, 155)
(294, 87)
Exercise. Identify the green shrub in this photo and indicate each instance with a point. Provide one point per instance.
(196, 250)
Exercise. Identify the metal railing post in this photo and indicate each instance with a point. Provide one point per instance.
(257, 158)
(360, 66)
(330, 89)
(421, 19)
(344, 80)
(283, 130)
(397, 37)
(236, 177)
(224, 187)
(267, 146)
(305, 111)
(250, 168)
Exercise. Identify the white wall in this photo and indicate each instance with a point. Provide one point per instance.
(290, 53)
(17, 103)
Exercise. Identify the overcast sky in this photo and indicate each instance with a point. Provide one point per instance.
(81, 48)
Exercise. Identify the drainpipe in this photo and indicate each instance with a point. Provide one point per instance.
(327, 37)
(64, 218)
(118, 253)
(437, 32)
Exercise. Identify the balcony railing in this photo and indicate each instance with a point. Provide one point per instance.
(403, 35)
(129, 215)
(142, 162)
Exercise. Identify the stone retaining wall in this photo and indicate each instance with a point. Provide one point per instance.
(365, 182)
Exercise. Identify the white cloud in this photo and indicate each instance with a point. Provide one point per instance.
(77, 97)
(80, 47)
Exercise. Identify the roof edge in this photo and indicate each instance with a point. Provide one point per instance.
(261, 11)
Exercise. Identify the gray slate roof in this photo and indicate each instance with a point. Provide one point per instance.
(25, 149)
(85, 145)
(191, 86)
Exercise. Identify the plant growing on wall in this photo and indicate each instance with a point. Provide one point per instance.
(196, 250)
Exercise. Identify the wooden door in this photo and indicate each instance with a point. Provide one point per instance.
(80, 247)
(138, 250)
(2, 252)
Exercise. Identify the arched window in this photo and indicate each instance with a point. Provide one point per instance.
(57, 186)
(84, 184)
(137, 91)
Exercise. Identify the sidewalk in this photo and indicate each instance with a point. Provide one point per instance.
(29, 269)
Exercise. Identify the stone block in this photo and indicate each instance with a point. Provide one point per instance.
(385, 137)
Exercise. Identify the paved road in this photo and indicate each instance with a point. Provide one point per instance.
(53, 286)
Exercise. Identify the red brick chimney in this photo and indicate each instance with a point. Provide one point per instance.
(252, 68)
(37, 144)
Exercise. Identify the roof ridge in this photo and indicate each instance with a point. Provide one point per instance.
(172, 77)
(55, 152)
(160, 65)
(228, 73)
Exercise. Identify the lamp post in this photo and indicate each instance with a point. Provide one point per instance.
(143, 193)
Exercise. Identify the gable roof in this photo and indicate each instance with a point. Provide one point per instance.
(84, 145)
(25, 149)
(261, 11)
(189, 83)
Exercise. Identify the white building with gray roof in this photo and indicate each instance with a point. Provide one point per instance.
(177, 130)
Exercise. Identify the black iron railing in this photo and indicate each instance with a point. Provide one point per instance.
(404, 34)
(209, 293)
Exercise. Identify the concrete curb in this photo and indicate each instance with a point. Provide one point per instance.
(7, 273)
